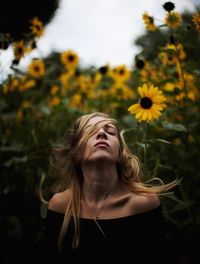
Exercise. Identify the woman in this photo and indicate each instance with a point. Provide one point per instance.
(104, 207)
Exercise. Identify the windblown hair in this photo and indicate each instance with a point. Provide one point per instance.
(66, 161)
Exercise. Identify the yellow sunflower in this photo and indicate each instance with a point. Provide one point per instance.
(149, 22)
(19, 49)
(69, 58)
(196, 21)
(173, 19)
(151, 104)
(37, 27)
(36, 68)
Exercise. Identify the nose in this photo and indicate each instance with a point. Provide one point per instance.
(101, 133)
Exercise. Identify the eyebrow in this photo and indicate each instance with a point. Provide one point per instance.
(110, 125)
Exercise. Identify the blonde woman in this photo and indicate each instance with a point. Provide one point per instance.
(103, 207)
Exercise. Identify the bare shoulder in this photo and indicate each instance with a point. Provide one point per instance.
(145, 202)
(58, 201)
(150, 201)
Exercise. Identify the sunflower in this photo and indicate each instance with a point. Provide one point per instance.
(36, 68)
(19, 49)
(121, 73)
(69, 58)
(196, 21)
(121, 91)
(149, 22)
(151, 104)
(55, 100)
(37, 27)
(173, 20)
(104, 69)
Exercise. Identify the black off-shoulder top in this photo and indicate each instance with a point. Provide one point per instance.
(137, 238)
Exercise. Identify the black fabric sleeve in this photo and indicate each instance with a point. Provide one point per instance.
(53, 225)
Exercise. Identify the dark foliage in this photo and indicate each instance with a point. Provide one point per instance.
(15, 15)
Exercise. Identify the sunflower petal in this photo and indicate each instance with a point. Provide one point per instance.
(149, 115)
(139, 114)
(141, 91)
(157, 107)
(134, 108)
(145, 115)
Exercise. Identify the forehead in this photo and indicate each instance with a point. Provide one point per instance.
(100, 119)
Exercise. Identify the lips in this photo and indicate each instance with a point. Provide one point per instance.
(101, 144)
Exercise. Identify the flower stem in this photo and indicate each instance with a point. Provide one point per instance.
(145, 148)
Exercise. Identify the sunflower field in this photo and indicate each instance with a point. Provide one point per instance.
(157, 105)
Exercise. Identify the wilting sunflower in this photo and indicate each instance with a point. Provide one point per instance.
(151, 104)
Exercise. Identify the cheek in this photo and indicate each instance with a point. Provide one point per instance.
(117, 150)
(86, 149)
(82, 152)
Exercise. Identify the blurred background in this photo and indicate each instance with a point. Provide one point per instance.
(61, 59)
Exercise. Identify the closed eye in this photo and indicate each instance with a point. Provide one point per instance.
(110, 130)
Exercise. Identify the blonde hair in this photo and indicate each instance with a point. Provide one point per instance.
(66, 161)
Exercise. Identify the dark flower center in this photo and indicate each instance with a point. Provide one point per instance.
(170, 58)
(38, 27)
(103, 70)
(173, 19)
(146, 102)
(121, 72)
(140, 64)
(71, 58)
(20, 50)
(36, 68)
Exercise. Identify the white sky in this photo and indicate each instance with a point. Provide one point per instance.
(99, 31)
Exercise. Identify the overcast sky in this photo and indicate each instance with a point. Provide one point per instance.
(99, 31)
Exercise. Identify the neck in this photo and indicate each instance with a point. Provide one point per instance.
(99, 181)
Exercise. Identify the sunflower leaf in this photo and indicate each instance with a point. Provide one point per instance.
(163, 141)
(15, 160)
(177, 127)
(140, 144)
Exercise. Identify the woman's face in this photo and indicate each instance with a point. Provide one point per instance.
(103, 145)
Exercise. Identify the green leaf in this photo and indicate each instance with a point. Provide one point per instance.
(15, 160)
(15, 147)
(163, 25)
(182, 206)
(165, 166)
(45, 110)
(3, 105)
(140, 144)
(176, 127)
(163, 141)
(43, 210)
